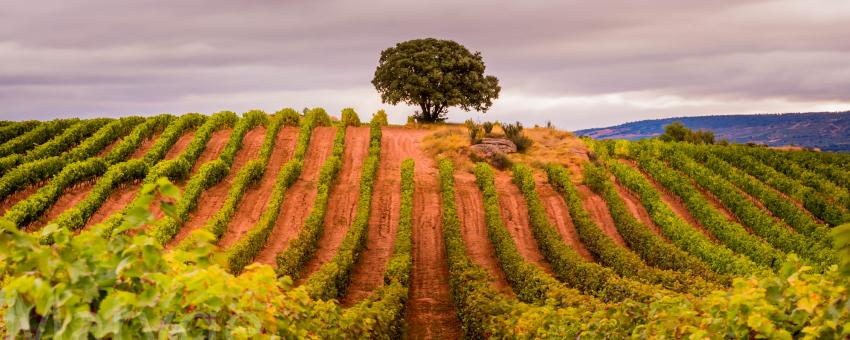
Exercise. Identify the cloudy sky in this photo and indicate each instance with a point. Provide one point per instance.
(578, 64)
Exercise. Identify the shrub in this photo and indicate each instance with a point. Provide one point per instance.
(349, 117)
(488, 127)
(288, 117)
(514, 133)
(380, 118)
(475, 134)
(501, 161)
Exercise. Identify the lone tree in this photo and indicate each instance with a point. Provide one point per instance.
(434, 75)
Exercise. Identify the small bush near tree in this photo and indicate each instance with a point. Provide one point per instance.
(514, 133)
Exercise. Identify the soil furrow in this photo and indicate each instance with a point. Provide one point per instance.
(672, 201)
(298, 199)
(69, 198)
(479, 248)
(255, 199)
(515, 216)
(637, 209)
(145, 146)
(598, 210)
(342, 204)
(368, 274)
(212, 150)
(430, 313)
(559, 217)
(125, 193)
(213, 198)
(20, 195)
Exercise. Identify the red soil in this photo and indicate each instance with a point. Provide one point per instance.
(672, 201)
(218, 140)
(298, 199)
(118, 199)
(126, 192)
(255, 199)
(214, 197)
(598, 210)
(559, 217)
(212, 150)
(634, 205)
(515, 216)
(396, 145)
(430, 313)
(69, 198)
(20, 195)
(109, 147)
(145, 146)
(470, 208)
(342, 204)
(181, 144)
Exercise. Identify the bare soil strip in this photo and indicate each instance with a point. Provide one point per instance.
(396, 145)
(213, 198)
(470, 208)
(212, 150)
(673, 201)
(127, 192)
(255, 199)
(342, 203)
(636, 208)
(108, 148)
(218, 140)
(69, 198)
(298, 200)
(430, 313)
(20, 195)
(515, 215)
(181, 144)
(146, 145)
(559, 217)
(598, 210)
(118, 199)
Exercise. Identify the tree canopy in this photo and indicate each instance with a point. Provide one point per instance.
(677, 132)
(434, 75)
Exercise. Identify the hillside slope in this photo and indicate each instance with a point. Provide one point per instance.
(829, 131)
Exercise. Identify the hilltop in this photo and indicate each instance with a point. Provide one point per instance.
(828, 131)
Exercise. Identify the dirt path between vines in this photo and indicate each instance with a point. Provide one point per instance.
(598, 210)
(20, 195)
(479, 248)
(255, 199)
(212, 150)
(69, 198)
(126, 192)
(559, 216)
(103, 152)
(430, 313)
(75, 194)
(636, 208)
(298, 199)
(368, 273)
(145, 146)
(514, 213)
(342, 203)
(213, 198)
(218, 140)
(672, 201)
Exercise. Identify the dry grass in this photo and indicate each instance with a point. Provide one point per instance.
(552, 146)
(448, 141)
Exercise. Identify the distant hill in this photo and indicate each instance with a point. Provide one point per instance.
(829, 131)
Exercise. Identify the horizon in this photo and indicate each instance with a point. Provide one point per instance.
(578, 65)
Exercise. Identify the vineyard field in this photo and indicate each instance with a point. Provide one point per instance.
(303, 225)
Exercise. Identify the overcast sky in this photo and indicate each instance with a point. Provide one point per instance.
(579, 64)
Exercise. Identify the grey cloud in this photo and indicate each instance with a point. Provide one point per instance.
(125, 57)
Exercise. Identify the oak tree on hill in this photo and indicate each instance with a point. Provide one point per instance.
(434, 75)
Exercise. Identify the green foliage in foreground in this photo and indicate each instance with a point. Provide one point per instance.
(90, 286)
